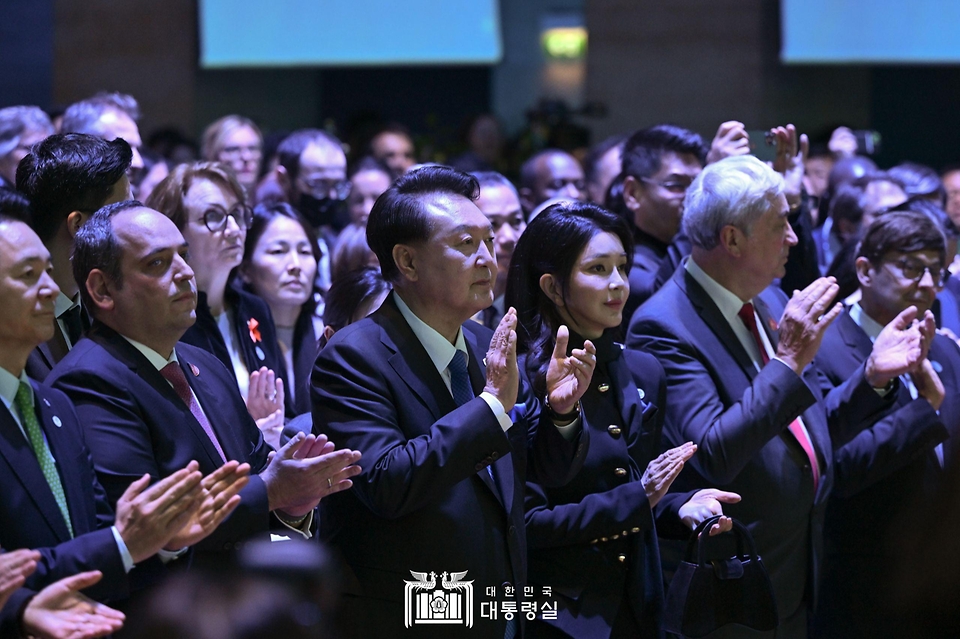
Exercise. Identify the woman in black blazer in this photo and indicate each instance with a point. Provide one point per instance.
(279, 266)
(206, 203)
(593, 542)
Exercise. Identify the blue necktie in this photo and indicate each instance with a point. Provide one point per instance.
(460, 379)
(462, 393)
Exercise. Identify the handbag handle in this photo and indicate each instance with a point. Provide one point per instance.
(699, 540)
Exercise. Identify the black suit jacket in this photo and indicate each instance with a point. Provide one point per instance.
(881, 475)
(246, 308)
(425, 500)
(135, 423)
(594, 540)
(30, 517)
(739, 419)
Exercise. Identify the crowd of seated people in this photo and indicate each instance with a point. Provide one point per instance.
(547, 379)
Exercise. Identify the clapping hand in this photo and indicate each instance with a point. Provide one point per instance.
(503, 377)
(705, 504)
(660, 473)
(60, 611)
(221, 496)
(264, 394)
(15, 567)
(804, 322)
(569, 377)
(899, 348)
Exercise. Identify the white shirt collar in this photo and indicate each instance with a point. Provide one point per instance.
(9, 385)
(728, 302)
(438, 348)
(869, 325)
(155, 358)
(64, 303)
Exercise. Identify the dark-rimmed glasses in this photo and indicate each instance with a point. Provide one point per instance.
(216, 219)
(913, 270)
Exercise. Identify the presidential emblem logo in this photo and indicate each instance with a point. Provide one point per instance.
(425, 602)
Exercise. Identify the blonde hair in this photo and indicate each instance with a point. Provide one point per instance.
(216, 133)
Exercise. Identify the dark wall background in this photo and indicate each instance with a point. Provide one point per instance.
(693, 62)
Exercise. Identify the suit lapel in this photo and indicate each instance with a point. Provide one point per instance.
(20, 456)
(208, 400)
(62, 451)
(714, 319)
(124, 351)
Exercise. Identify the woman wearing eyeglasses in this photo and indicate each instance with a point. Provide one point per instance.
(593, 542)
(206, 203)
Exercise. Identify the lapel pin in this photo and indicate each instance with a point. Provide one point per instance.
(57, 422)
(261, 354)
(194, 370)
(46, 402)
(604, 387)
(641, 393)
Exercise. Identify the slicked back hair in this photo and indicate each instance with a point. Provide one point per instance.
(400, 216)
(70, 172)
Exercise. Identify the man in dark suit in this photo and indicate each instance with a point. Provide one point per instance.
(51, 498)
(659, 163)
(743, 391)
(411, 388)
(67, 177)
(149, 404)
(895, 465)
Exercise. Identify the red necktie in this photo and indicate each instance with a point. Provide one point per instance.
(174, 374)
(796, 428)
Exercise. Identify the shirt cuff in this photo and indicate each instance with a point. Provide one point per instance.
(166, 556)
(498, 412)
(303, 528)
(569, 431)
(125, 555)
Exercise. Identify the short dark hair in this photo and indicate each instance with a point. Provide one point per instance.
(293, 146)
(83, 116)
(494, 179)
(918, 180)
(348, 293)
(596, 153)
(551, 244)
(369, 163)
(13, 205)
(70, 172)
(399, 216)
(904, 232)
(96, 247)
(643, 150)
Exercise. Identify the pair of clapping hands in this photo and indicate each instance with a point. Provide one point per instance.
(900, 349)
(568, 377)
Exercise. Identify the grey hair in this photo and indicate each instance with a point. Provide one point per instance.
(494, 179)
(16, 120)
(84, 116)
(734, 191)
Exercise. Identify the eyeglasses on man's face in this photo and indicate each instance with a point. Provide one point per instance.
(321, 188)
(677, 187)
(913, 270)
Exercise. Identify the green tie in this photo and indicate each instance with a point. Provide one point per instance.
(42, 451)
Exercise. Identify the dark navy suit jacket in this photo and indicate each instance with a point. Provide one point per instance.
(739, 419)
(425, 500)
(135, 423)
(30, 517)
(882, 474)
(594, 541)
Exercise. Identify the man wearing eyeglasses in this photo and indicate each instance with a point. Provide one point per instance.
(659, 163)
(67, 177)
(896, 463)
(312, 170)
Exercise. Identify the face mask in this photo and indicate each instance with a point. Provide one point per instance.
(320, 212)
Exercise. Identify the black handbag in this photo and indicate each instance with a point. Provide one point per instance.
(706, 594)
